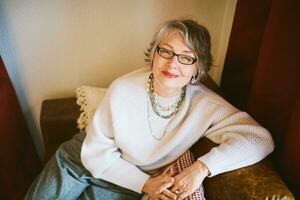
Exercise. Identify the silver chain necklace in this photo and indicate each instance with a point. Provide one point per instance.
(150, 127)
(154, 104)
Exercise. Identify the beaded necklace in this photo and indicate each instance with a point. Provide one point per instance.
(156, 107)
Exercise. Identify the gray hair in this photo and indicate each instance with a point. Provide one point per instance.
(196, 37)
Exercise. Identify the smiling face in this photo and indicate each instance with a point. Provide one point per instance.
(170, 76)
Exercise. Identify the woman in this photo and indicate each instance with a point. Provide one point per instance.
(147, 120)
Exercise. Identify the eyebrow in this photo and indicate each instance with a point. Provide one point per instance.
(185, 51)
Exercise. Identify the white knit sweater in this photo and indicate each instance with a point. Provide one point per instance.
(120, 148)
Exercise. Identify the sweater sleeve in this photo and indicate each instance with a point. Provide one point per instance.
(100, 154)
(242, 141)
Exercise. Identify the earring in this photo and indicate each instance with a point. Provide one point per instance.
(194, 79)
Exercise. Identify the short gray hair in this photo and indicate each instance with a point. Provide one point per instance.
(196, 37)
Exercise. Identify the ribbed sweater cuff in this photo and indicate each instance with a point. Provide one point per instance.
(212, 163)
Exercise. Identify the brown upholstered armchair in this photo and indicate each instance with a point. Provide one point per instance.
(259, 181)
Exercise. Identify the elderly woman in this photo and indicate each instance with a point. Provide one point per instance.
(147, 120)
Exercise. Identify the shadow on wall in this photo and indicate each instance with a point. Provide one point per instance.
(11, 58)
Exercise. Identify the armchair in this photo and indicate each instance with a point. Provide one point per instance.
(259, 181)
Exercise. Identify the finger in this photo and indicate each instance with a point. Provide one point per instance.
(167, 170)
(164, 197)
(167, 178)
(169, 194)
(175, 188)
(165, 186)
(179, 185)
(183, 195)
(171, 170)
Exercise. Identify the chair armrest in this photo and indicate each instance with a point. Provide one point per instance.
(58, 122)
(258, 181)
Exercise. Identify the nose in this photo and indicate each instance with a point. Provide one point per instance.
(174, 62)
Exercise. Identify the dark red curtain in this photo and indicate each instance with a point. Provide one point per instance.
(19, 161)
(262, 75)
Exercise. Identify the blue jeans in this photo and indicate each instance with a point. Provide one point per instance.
(64, 177)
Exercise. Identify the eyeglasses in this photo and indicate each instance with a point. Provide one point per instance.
(168, 54)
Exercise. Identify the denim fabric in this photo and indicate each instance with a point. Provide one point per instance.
(64, 177)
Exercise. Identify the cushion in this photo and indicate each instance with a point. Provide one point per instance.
(88, 98)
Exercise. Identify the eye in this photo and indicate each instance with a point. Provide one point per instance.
(165, 52)
(186, 59)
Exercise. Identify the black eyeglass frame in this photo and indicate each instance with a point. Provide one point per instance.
(175, 54)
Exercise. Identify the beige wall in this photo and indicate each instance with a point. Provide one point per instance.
(52, 47)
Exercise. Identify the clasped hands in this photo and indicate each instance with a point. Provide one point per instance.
(170, 185)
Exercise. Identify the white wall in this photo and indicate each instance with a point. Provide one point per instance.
(52, 47)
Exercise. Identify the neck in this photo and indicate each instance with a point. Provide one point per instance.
(165, 92)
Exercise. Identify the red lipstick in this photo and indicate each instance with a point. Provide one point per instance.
(169, 75)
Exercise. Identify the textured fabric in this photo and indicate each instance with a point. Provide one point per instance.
(184, 161)
(64, 177)
(119, 142)
(88, 98)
